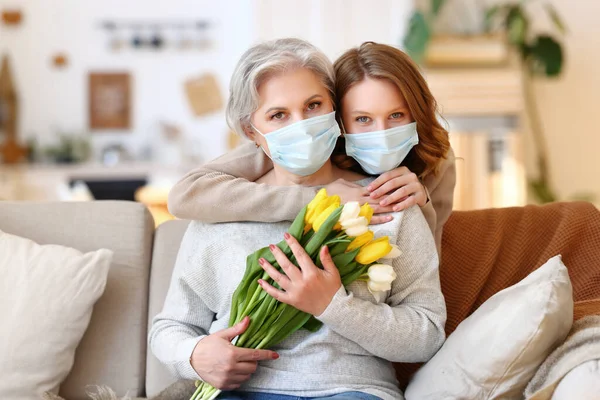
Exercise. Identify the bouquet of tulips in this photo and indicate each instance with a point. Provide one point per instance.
(354, 250)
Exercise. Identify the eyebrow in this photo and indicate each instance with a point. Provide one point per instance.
(400, 108)
(279, 108)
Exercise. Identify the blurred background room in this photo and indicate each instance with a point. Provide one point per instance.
(118, 99)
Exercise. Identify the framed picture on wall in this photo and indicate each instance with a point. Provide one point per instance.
(109, 101)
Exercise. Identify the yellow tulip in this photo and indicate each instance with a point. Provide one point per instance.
(322, 217)
(360, 241)
(325, 204)
(311, 208)
(366, 211)
(374, 250)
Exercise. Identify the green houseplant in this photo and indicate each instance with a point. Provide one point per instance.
(541, 55)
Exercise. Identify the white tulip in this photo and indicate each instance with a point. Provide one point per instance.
(355, 231)
(359, 221)
(350, 211)
(396, 252)
(381, 277)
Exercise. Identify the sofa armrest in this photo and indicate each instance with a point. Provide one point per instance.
(585, 308)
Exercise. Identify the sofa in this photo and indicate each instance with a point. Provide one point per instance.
(114, 350)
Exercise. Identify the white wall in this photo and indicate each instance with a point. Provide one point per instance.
(54, 99)
(334, 25)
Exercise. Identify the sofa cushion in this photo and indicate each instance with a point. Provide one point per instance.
(485, 251)
(113, 350)
(46, 298)
(166, 246)
(495, 352)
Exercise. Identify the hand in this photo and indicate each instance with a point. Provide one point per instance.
(308, 288)
(398, 188)
(223, 365)
(349, 191)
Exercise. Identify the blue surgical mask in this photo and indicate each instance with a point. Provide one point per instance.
(303, 147)
(382, 151)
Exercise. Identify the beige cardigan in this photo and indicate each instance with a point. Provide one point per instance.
(223, 190)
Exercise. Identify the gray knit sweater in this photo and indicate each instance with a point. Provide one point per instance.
(351, 352)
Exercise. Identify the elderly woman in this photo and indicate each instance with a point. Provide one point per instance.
(282, 99)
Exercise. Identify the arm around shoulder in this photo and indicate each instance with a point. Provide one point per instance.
(441, 197)
(224, 191)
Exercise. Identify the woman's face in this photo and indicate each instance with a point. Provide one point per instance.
(286, 98)
(374, 105)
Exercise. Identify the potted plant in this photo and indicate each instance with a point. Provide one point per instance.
(540, 54)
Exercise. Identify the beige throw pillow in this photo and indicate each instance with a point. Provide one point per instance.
(46, 298)
(495, 352)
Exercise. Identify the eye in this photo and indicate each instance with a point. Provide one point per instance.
(363, 120)
(313, 106)
(397, 115)
(278, 116)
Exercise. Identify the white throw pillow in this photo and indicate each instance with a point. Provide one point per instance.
(495, 352)
(46, 298)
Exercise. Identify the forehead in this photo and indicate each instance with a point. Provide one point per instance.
(289, 87)
(373, 94)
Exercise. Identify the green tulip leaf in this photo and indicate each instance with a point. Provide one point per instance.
(313, 324)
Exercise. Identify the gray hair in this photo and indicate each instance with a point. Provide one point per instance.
(264, 59)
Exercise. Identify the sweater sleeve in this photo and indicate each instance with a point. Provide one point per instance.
(224, 191)
(409, 326)
(441, 198)
(184, 320)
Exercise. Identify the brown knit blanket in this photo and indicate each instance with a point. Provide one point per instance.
(485, 251)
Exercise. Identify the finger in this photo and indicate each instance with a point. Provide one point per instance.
(281, 279)
(376, 220)
(386, 176)
(233, 385)
(394, 184)
(328, 264)
(248, 355)
(377, 209)
(304, 260)
(403, 205)
(232, 332)
(292, 272)
(275, 293)
(244, 368)
(402, 193)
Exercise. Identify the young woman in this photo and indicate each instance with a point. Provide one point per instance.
(282, 99)
(386, 108)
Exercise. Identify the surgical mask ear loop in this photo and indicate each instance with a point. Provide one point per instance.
(343, 127)
(256, 143)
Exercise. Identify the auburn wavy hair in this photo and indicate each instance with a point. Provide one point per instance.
(380, 61)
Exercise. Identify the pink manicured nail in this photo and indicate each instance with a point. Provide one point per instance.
(272, 247)
(260, 282)
(261, 261)
(286, 236)
(275, 356)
